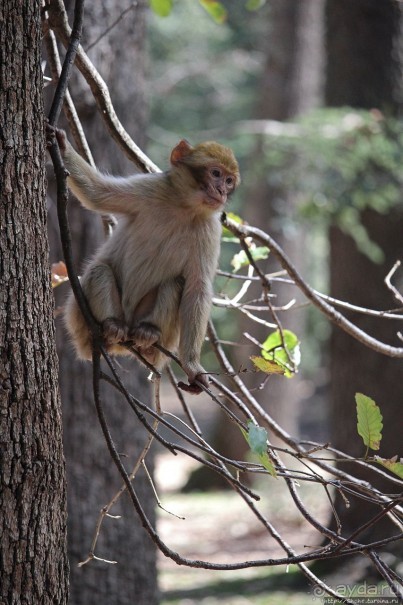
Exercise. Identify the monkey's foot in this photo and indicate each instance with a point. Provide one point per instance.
(191, 388)
(145, 335)
(114, 331)
(195, 387)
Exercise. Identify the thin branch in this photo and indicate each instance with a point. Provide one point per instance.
(59, 23)
(72, 43)
(69, 108)
(132, 6)
(243, 231)
(105, 510)
(108, 221)
(370, 523)
(388, 282)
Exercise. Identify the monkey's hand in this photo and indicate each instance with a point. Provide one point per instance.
(51, 133)
(61, 139)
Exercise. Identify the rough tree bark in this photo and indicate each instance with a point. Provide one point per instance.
(92, 476)
(364, 71)
(33, 561)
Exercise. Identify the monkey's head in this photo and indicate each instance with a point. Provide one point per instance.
(212, 168)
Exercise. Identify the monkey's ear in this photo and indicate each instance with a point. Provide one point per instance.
(182, 150)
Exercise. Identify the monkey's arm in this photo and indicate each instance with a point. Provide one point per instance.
(196, 300)
(104, 193)
(194, 312)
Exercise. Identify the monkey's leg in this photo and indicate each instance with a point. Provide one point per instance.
(156, 319)
(144, 332)
(100, 287)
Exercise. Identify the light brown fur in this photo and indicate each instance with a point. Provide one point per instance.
(151, 281)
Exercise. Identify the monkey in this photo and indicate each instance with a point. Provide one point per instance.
(151, 280)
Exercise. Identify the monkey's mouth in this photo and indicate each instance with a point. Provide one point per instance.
(214, 199)
(214, 202)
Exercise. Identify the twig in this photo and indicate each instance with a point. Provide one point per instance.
(368, 524)
(72, 43)
(59, 23)
(105, 510)
(243, 231)
(112, 26)
(108, 221)
(388, 282)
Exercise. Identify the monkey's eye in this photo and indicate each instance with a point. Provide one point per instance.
(229, 181)
(216, 172)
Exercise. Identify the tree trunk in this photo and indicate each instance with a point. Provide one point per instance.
(364, 72)
(33, 561)
(291, 84)
(92, 476)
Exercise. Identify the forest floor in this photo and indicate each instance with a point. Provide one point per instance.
(218, 526)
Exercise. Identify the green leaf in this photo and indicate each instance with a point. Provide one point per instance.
(226, 232)
(369, 421)
(288, 358)
(259, 253)
(254, 5)
(241, 260)
(265, 460)
(256, 438)
(392, 464)
(235, 217)
(267, 366)
(162, 8)
(215, 9)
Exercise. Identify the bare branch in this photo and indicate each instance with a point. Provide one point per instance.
(337, 318)
(388, 282)
(59, 23)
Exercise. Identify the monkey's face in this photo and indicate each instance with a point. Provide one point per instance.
(218, 184)
(213, 172)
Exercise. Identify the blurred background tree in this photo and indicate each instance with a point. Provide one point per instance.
(364, 70)
(313, 191)
(288, 180)
(290, 85)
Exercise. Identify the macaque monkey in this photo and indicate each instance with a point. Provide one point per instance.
(151, 281)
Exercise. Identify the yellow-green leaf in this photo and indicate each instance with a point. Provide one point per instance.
(265, 460)
(392, 464)
(235, 217)
(267, 366)
(215, 9)
(369, 421)
(162, 8)
(241, 260)
(288, 358)
(254, 5)
(226, 232)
